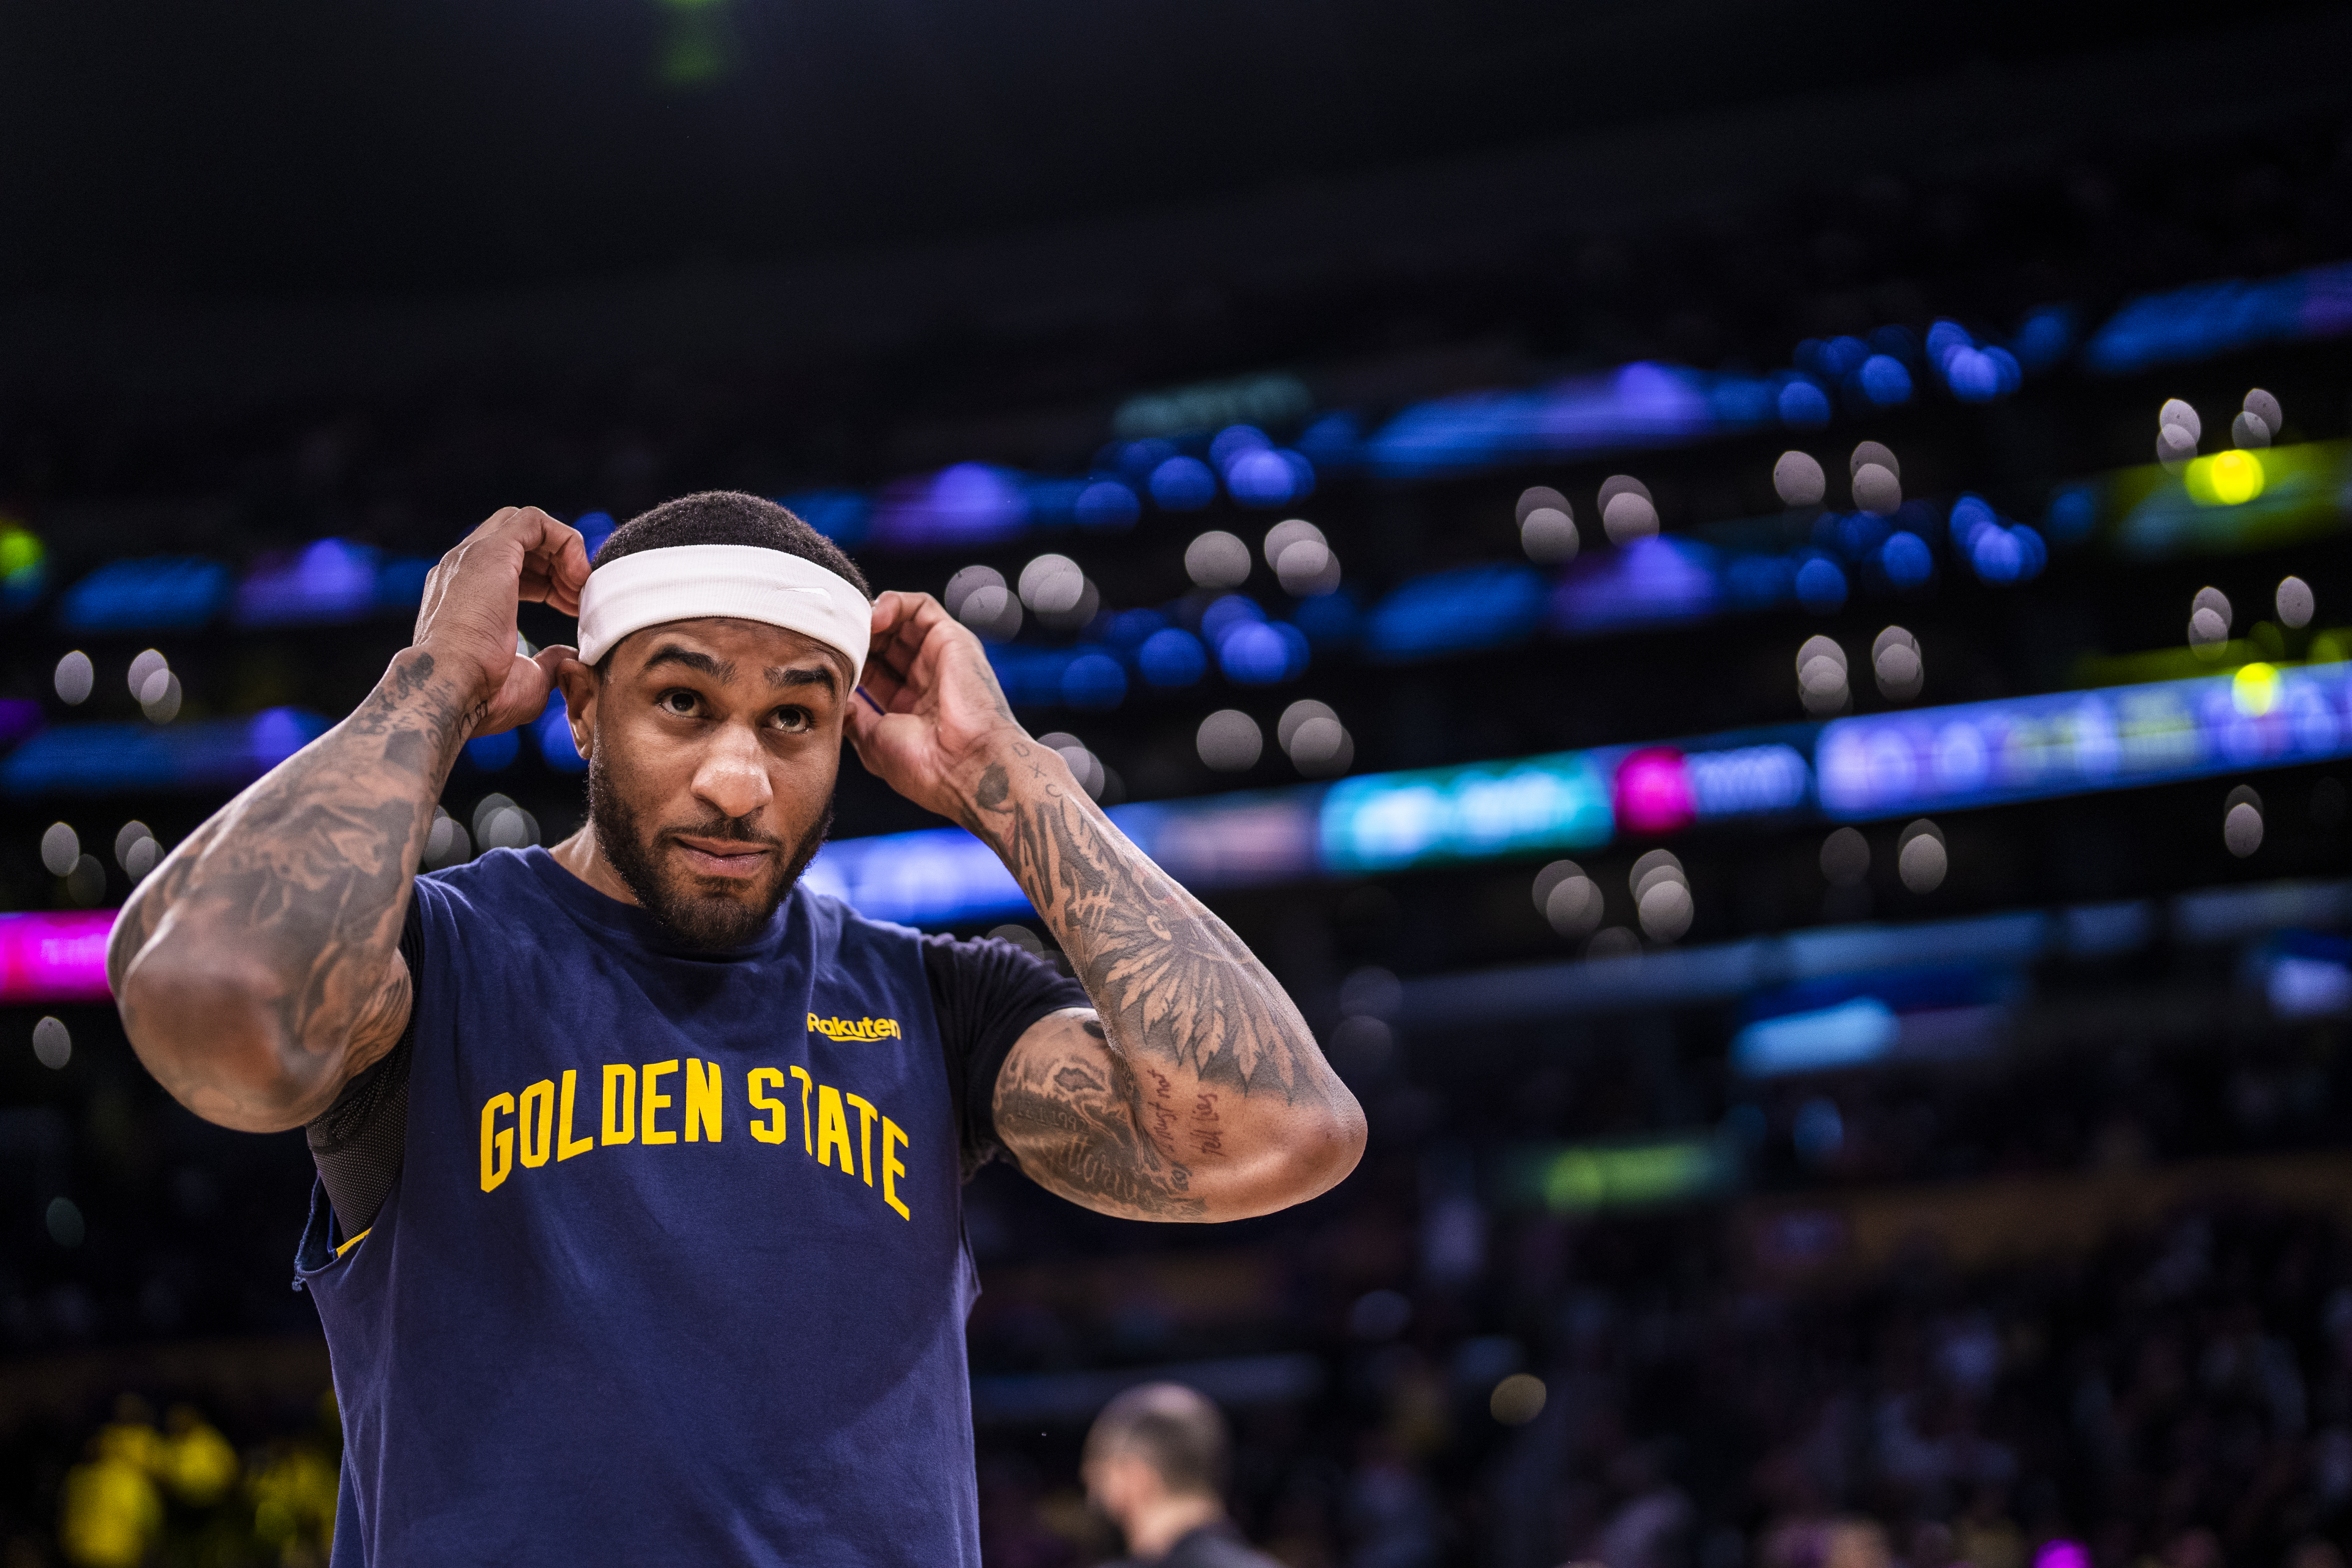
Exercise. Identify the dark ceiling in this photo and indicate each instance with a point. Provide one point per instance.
(273, 147)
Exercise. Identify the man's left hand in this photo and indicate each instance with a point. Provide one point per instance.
(941, 712)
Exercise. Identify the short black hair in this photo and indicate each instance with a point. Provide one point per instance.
(1176, 1430)
(729, 517)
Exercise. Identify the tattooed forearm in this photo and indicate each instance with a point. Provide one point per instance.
(256, 967)
(1173, 983)
(1200, 1095)
(1076, 1121)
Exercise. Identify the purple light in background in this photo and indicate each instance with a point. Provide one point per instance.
(971, 502)
(275, 734)
(54, 957)
(2062, 1554)
(1652, 582)
(19, 717)
(1262, 477)
(329, 579)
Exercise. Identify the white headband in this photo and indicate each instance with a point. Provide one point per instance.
(746, 581)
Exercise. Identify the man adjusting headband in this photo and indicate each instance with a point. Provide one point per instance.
(639, 1228)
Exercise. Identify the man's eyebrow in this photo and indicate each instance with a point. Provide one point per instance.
(670, 653)
(804, 674)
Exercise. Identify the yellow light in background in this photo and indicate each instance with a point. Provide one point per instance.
(2254, 691)
(2225, 479)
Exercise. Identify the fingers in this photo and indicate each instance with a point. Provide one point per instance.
(860, 721)
(552, 659)
(554, 561)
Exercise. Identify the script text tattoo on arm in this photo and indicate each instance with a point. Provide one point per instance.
(1174, 987)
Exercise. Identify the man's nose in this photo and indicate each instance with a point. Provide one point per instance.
(733, 778)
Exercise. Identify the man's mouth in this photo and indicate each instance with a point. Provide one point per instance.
(727, 857)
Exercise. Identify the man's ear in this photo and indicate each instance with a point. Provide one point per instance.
(582, 686)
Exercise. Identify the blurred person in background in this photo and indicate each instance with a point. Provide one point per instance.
(1156, 1465)
(554, 1312)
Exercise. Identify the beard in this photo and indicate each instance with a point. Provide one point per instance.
(690, 918)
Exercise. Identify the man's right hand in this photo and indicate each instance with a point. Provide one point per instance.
(467, 620)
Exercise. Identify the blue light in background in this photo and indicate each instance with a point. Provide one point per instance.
(1383, 821)
(1171, 657)
(1128, 630)
(1107, 503)
(2073, 513)
(400, 584)
(1906, 560)
(1266, 478)
(1183, 484)
(1885, 381)
(595, 527)
(843, 516)
(1448, 612)
(1329, 619)
(552, 731)
(1094, 680)
(2207, 319)
(2043, 337)
(1847, 1035)
(1258, 653)
(1840, 357)
(205, 753)
(1803, 405)
(490, 753)
(1230, 443)
(1226, 611)
(1135, 461)
(1821, 585)
(1638, 404)
(180, 593)
(1332, 441)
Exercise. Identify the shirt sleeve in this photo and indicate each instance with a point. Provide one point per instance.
(358, 1141)
(986, 993)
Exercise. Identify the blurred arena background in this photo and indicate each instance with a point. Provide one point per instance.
(1845, 954)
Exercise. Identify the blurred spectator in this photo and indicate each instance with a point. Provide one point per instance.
(1156, 1463)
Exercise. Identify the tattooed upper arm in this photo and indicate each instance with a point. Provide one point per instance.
(257, 969)
(1072, 1110)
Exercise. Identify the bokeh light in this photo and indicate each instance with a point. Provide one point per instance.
(1920, 858)
(1518, 1399)
(1896, 660)
(1876, 490)
(1229, 741)
(2294, 603)
(60, 849)
(1822, 678)
(1845, 857)
(52, 1044)
(1217, 560)
(75, 679)
(1569, 900)
(1798, 479)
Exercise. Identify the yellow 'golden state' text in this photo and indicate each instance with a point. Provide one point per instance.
(537, 1126)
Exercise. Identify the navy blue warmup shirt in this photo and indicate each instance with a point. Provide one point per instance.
(665, 1263)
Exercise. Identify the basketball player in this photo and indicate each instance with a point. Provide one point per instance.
(638, 1236)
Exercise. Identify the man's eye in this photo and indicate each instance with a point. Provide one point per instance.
(682, 703)
(793, 719)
